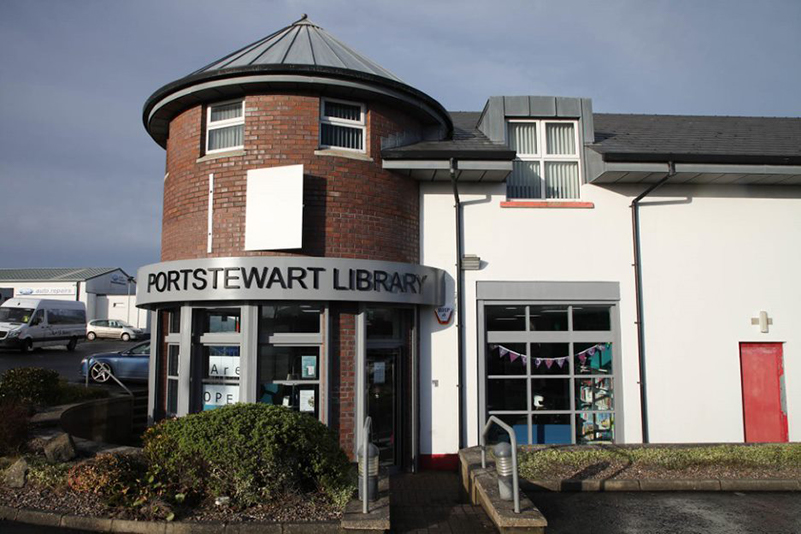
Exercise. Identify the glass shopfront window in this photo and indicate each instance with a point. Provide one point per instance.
(549, 371)
(290, 356)
(220, 376)
(221, 321)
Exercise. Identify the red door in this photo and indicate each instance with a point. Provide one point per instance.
(763, 383)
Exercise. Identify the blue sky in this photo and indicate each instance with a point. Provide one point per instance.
(81, 181)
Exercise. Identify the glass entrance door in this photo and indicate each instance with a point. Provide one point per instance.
(383, 401)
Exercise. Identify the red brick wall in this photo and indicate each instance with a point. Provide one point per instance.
(353, 208)
(342, 384)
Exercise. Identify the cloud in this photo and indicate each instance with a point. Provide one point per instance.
(81, 181)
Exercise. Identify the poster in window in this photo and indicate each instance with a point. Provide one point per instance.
(306, 400)
(309, 366)
(379, 373)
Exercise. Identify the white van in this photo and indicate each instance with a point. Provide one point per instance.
(28, 323)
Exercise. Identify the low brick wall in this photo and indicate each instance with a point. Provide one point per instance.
(107, 420)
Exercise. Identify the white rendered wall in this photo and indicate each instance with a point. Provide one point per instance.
(710, 264)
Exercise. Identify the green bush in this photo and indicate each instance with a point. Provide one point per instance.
(43, 474)
(29, 384)
(248, 452)
(70, 393)
(13, 426)
(110, 476)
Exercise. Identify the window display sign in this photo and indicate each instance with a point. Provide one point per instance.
(224, 366)
(216, 395)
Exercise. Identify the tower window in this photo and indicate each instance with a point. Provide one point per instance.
(225, 126)
(342, 125)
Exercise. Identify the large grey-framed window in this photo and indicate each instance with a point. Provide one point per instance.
(549, 368)
(547, 164)
(217, 356)
(291, 357)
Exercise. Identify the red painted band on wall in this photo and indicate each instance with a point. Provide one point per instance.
(439, 462)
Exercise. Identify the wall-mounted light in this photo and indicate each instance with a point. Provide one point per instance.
(471, 262)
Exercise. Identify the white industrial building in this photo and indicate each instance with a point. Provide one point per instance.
(107, 292)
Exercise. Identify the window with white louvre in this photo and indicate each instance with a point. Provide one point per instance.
(225, 127)
(342, 125)
(547, 163)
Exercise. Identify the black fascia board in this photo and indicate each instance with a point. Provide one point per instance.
(732, 159)
(314, 70)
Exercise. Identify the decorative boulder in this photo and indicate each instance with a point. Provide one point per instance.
(60, 449)
(17, 475)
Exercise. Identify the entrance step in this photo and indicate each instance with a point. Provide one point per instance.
(432, 500)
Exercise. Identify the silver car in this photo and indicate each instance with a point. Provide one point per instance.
(112, 328)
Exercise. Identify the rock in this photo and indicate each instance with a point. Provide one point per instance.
(17, 475)
(60, 449)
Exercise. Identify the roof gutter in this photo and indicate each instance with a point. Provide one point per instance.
(635, 224)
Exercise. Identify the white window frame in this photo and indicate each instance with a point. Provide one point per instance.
(216, 125)
(361, 124)
(542, 156)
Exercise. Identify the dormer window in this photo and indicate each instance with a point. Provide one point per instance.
(225, 127)
(342, 125)
(547, 165)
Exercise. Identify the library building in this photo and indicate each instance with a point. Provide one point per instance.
(336, 242)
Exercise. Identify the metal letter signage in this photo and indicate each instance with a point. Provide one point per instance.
(288, 278)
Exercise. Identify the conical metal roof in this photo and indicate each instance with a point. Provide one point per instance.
(301, 55)
(300, 43)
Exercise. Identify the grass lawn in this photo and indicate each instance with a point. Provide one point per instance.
(668, 461)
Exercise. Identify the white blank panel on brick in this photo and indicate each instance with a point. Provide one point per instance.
(274, 211)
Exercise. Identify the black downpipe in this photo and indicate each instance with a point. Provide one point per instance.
(635, 224)
(459, 304)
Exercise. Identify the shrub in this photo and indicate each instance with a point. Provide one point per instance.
(248, 452)
(69, 393)
(114, 477)
(29, 384)
(13, 426)
(43, 474)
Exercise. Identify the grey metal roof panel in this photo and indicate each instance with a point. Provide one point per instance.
(698, 139)
(302, 51)
(301, 43)
(53, 274)
(467, 142)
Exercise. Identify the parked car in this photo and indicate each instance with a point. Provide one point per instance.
(26, 323)
(131, 364)
(112, 328)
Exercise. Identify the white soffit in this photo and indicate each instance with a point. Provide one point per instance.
(274, 210)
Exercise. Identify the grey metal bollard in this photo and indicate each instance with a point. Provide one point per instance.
(503, 466)
(372, 472)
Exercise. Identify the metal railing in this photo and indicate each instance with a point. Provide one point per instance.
(366, 431)
(515, 487)
(110, 374)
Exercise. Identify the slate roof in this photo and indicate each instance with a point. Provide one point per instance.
(642, 138)
(301, 43)
(53, 275)
(468, 142)
(698, 139)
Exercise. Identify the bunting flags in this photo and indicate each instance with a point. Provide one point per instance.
(561, 361)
